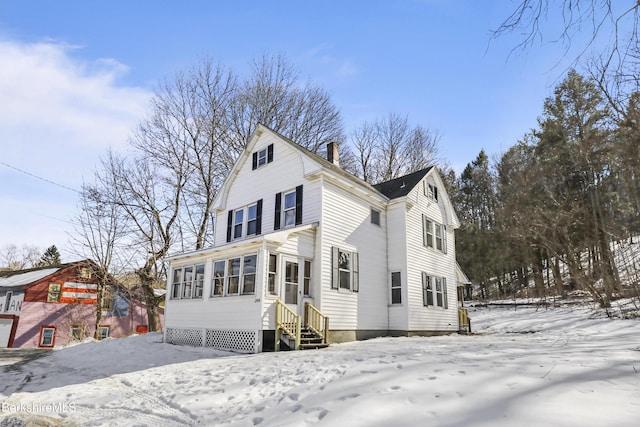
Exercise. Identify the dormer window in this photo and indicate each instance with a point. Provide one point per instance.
(262, 157)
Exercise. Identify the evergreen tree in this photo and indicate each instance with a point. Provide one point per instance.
(50, 257)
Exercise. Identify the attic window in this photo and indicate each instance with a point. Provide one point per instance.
(85, 273)
(262, 157)
(431, 191)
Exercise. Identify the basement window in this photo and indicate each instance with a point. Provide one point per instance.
(47, 336)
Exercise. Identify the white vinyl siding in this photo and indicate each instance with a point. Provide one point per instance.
(440, 264)
(346, 224)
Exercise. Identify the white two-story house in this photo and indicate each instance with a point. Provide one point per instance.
(304, 249)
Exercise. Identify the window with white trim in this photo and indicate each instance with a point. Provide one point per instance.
(307, 278)
(252, 219)
(176, 283)
(234, 276)
(272, 274)
(198, 281)
(47, 336)
(103, 332)
(434, 235)
(187, 282)
(262, 157)
(249, 274)
(288, 209)
(238, 216)
(396, 287)
(431, 191)
(438, 234)
(218, 278)
(344, 269)
(245, 221)
(434, 291)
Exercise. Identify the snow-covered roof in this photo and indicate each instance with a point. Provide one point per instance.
(21, 279)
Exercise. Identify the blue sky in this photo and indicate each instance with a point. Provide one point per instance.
(76, 77)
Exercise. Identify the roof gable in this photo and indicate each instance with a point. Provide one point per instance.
(401, 186)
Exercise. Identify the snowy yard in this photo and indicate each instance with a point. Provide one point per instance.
(561, 367)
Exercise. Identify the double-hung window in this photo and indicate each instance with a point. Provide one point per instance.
(434, 291)
(249, 275)
(427, 230)
(237, 223)
(233, 276)
(345, 269)
(439, 245)
(434, 235)
(188, 282)
(288, 209)
(245, 221)
(273, 274)
(176, 283)
(396, 287)
(262, 157)
(252, 219)
(47, 336)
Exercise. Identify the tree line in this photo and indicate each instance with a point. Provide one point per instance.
(551, 208)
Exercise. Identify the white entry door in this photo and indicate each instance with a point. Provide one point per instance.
(291, 284)
(5, 332)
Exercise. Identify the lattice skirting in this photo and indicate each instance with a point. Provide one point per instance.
(242, 341)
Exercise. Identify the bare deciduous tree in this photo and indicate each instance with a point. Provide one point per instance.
(14, 258)
(388, 148)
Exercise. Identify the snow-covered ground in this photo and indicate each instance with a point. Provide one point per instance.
(556, 367)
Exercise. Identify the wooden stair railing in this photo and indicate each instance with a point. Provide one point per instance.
(315, 332)
(317, 322)
(289, 322)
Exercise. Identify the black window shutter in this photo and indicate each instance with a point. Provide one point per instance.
(229, 225)
(254, 163)
(299, 205)
(270, 153)
(356, 281)
(259, 217)
(276, 214)
(335, 273)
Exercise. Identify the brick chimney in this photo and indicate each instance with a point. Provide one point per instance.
(333, 154)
